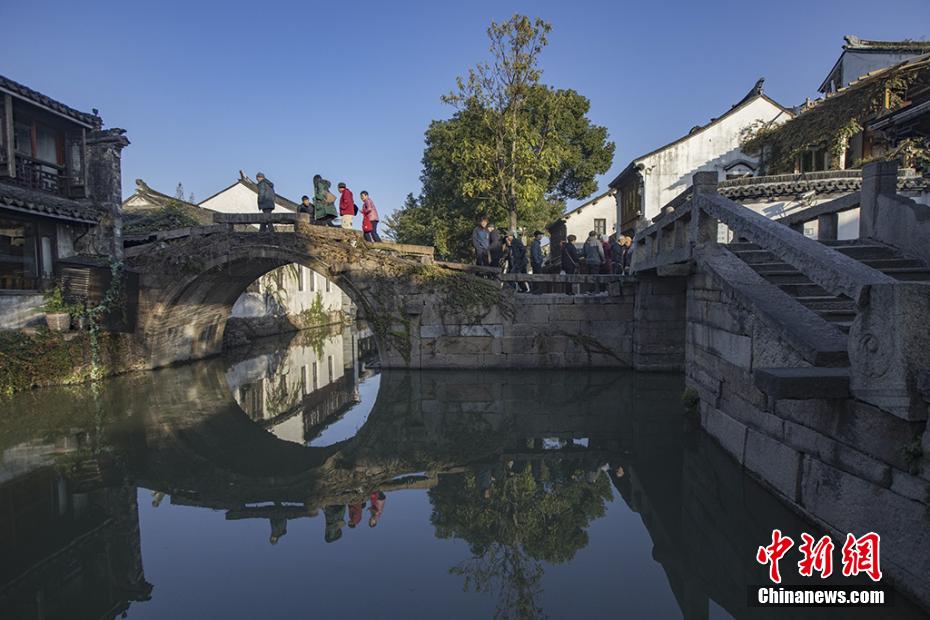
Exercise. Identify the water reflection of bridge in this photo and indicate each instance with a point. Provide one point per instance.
(187, 438)
(297, 387)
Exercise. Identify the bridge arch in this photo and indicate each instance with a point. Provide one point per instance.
(188, 287)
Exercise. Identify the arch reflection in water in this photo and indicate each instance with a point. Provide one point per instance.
(298, 388)
(542, 493)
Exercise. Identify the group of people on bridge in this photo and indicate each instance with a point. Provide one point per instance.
(598, 255)
(322, 208)
(508, 253)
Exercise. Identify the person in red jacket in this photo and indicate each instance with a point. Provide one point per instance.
(346, 205)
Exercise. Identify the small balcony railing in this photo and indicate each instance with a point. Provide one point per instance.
(40, 175)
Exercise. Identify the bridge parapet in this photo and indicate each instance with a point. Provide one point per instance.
(695, 222)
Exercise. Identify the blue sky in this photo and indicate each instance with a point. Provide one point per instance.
(347, 89)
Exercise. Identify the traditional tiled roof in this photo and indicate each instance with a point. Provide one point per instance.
(39, 203)
(854, 43)
(24, 92)
(822, 183)
(156, 200)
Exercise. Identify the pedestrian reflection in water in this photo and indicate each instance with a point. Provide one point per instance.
(335, 519)
(377, 507)
(355, 514)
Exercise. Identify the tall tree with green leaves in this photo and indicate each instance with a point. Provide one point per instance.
(514, 149)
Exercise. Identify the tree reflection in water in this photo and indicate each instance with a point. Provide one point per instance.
(514, 517)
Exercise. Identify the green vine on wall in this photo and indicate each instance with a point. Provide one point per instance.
(831, 122)
(113, 300)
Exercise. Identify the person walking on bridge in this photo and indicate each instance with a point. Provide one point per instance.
(480, 240)
(536, 253)
(593, 253)
(515, 253)
(369, 218)
(347, 208)
(324, 202)
(266, 199)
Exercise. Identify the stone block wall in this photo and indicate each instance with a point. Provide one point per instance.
(659, 315)
(543, 331)
(840, 462)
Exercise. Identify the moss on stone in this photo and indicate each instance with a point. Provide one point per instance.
(52, 358)
(463, 293)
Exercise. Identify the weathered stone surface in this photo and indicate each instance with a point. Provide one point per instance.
(836, 454)
(872, 431)
(848, 503)
(734, 348)
(727, 431)
(777, 464)
(889, 345)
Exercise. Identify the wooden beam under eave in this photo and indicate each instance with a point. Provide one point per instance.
(8, 135)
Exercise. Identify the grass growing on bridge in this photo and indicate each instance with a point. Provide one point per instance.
(463, 293)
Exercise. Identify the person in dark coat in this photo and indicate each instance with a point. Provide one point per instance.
(536, 253)
(335, 519)
(515, 252)
(324, 202)
(616, 254)
(495, 246)
(570, 258)
(480, 240)
(266, 199)
(305, 206)
(627, 255)
(593, 253)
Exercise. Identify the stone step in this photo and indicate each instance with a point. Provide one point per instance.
(786, 277)
(804, 290)
(908, 274)
(838, 316)
(754, 257)
(864, 251)
(742, 247)
(802, 383)
(888, 263)
(843, 242)
(772, 267)
(827, 302)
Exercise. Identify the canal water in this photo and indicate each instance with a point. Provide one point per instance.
(293, 479)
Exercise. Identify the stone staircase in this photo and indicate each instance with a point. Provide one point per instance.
(837, 309)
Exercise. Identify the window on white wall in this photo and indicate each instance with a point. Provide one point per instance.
(312, 281)
(600, 226)
(327, 285)
(300, 278)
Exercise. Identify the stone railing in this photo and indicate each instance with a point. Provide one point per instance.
(573, 284)
(825, 214)
(673, 238)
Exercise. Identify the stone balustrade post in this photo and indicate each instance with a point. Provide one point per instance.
(703, 227)
(828, 226)
(878, 178)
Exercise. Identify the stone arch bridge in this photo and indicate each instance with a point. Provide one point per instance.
(424, 314)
